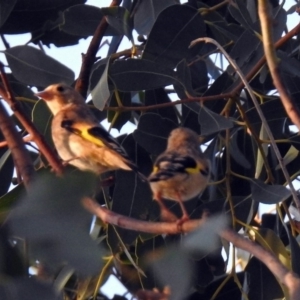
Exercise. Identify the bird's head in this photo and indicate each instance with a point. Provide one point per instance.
(183, 137)
(59, 95)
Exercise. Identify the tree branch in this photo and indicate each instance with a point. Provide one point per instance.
(285, 276)
(15, 143)
(272, 61)
(169, 104)
(7, 94)
(82, 82)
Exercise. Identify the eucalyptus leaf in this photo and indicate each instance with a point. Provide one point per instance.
(211, 122)
(6, 6)
(32, 66)
(268, 194)
(101, 92)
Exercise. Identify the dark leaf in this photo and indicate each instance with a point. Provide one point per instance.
(295, 252)
(167, 45)
(27, 289)
(131, 197)
(123, 117)
(29, 16)
(81, 20)
(8, 200)
(159, 96)
(140, 74)
(119, 19)
(268, 194)
(147, 12)
(236, 153)
(6, 171)
(183, 73)
(240, 12)
(41, 118)
(211, 122)
(262, 283)
(152, 133)
(32, 66)
(6, 6)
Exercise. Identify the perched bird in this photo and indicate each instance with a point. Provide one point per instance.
(77, 135)
(181, 172)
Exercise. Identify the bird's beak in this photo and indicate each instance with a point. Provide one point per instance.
(46, 95)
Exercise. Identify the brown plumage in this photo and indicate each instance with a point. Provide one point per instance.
(77, 135)
(181, 172)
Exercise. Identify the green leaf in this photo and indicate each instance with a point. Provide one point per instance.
(32, 66)
(211, 122)
(268, 194)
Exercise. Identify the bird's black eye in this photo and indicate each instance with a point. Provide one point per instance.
(60, 88)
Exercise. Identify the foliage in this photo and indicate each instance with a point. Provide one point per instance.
(135, 86)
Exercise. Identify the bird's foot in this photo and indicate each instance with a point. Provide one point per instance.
(183, 219)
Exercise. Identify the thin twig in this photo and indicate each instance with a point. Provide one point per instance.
(260, 113)
(169, 104)
(272, 61)
(82, 82)
(7, 94)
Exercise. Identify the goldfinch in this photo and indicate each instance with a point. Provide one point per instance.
(77, 135)
(181, 172)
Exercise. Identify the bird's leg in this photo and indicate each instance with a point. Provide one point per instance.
(185, 217)
(165, 213)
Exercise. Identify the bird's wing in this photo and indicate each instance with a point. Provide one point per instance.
(169, 165)
(94, 134)
(100, 137)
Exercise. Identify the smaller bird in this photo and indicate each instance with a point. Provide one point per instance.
(180, 173)
(78, 137)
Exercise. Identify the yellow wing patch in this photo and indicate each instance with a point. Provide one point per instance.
(82, 130)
